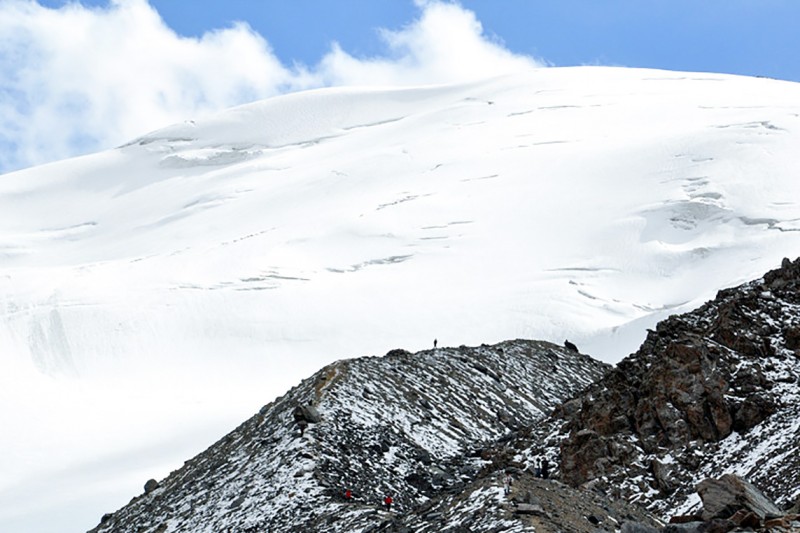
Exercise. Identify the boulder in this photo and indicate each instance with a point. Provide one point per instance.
(723, 497)
(529, 508)
(306, 413)
(150, 486)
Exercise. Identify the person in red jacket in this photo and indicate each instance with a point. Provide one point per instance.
(348, 495)
(388, 501)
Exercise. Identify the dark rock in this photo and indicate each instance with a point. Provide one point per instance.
(570, 346)
(791, 336)
(685, 519)
(752, 411)
(423, 456)
(306, 413)
(744, 518)
(419, 482)
(150, 486)
(235, 504)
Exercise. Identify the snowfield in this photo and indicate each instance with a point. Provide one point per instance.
(155, 295)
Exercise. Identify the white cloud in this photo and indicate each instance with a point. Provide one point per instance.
(446, 44)
(78, 79)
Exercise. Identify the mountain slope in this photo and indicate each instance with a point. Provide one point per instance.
(154, 295)
(410, 425)
(710, 392)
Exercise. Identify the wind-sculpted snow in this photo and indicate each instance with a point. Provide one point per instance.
(184, 277)
(404, 424)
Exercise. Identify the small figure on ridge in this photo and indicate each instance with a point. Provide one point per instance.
(569, 346)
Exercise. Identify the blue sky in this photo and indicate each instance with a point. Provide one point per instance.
(77, 77)
(749, 37)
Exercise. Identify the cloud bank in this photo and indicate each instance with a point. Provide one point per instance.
(76, 79)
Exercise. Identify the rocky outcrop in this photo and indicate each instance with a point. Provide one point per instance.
(730, 504)
(724, 497)
(708, 391)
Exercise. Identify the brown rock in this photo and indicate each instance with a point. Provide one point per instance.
(743, 518)
(754, 410)
(783, 522)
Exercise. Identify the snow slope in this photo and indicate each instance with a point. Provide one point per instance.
(154, 295)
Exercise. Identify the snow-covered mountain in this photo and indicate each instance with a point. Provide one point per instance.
(156, 294)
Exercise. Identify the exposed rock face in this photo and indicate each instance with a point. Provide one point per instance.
(723, 497)
(422, 427)
(708, 391)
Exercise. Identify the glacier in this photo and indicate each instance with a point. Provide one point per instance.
(156, 294)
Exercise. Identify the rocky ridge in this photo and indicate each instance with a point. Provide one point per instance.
(416, 426)
(709, 392)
